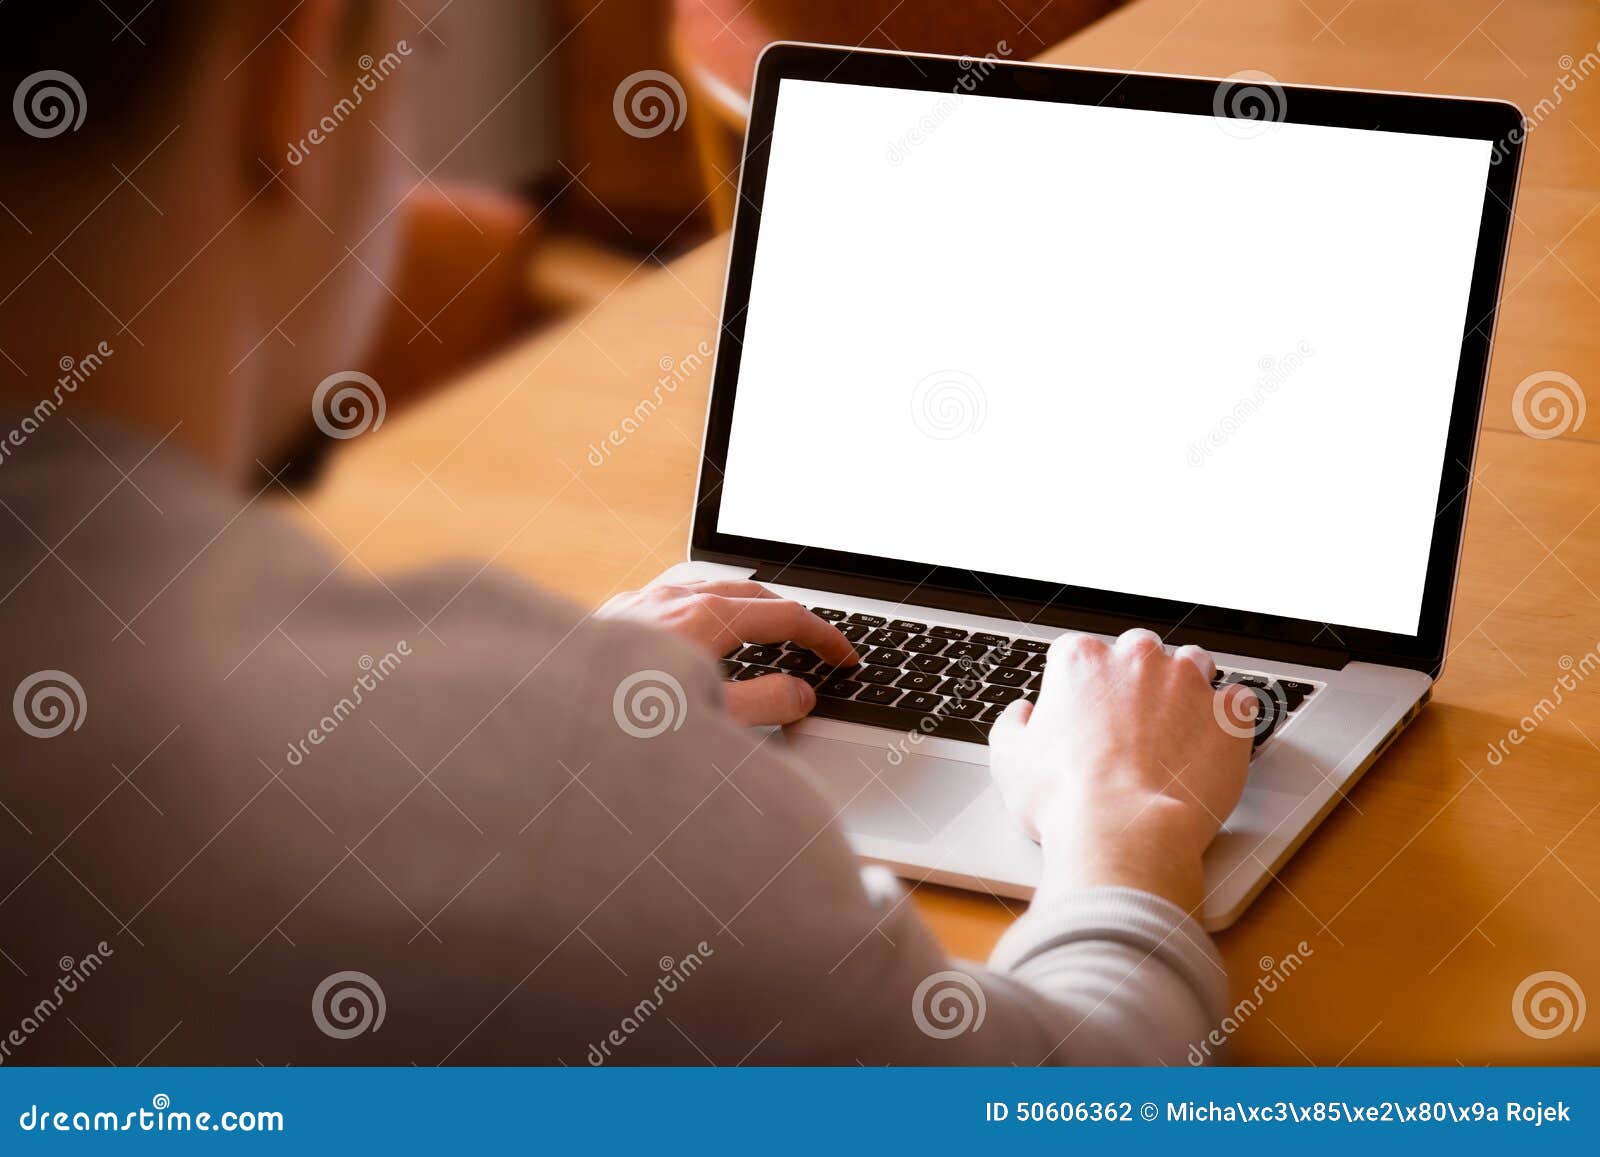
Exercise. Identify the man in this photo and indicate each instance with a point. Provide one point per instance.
(265, 807)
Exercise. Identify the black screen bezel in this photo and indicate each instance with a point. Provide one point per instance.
(1497, 122)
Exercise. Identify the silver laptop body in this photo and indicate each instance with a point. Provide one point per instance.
(923, 804)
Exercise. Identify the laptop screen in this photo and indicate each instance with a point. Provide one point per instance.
(1158, 354)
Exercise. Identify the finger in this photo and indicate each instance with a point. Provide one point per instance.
(733, 588)
(1237, 710)
(1011, 722)
(781, 621)
(1242, 697)
(1200, 657)
(1068, 658)
(771, 699)
(1138, 641)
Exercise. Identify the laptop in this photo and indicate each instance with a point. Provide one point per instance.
(1009, 351)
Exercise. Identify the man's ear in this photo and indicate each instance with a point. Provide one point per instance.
(290, 87)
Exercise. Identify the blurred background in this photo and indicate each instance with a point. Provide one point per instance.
(562, 201)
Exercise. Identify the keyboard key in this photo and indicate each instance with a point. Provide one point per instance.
(1246, 680)
(882, 696)
(754, 671)
(815, 678)
(730, 668)
(1007, 676)
(855, 632)
(992, 640)
(962, 688)
(967, 669)
(886, 657)
(879, 676)
(897, 719)
(917, 681)
(1294, 693)
(947, 632)
(797, 661)
(828, 613)
(1001, 695)
(965, 651)
(886, 638)
(839, 688)
(924, 644)
(1008, 658)
(1034, 663)
(868, 620)
(1032, 645)
(908, 626)
(1273, 712)
(759, 653)
(920, 701)
(992, 713)
(932, 664)
(962, 708)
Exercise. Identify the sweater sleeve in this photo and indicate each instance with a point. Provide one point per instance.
(1140, 978)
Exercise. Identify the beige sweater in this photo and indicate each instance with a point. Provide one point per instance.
(290, 796)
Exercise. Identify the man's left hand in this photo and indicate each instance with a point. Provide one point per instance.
(718, 616)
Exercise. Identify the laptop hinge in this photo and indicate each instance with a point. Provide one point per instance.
(967, 602)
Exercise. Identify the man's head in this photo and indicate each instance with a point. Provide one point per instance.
(212, 190)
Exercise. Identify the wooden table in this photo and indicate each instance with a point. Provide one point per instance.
(1445, 880)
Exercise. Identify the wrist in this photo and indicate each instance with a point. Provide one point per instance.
(1147, 843)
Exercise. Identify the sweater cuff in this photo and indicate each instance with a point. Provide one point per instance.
(1127, 916)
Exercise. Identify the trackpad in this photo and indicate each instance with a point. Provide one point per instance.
(887, 793)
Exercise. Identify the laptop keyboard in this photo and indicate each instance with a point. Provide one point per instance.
(947, 681)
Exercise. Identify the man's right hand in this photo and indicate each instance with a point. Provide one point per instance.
(1123, 771)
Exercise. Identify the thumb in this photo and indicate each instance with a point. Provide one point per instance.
(770, 699)
(1011, 722)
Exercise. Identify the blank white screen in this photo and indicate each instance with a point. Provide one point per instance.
(1112, 348)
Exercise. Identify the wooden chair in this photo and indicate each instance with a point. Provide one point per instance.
(715, 44)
